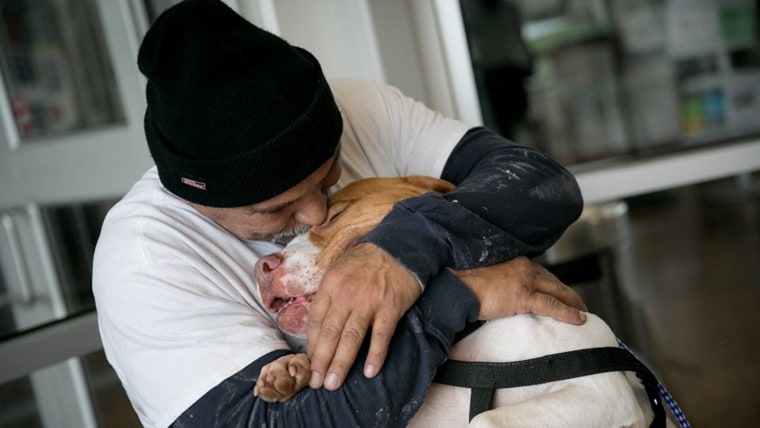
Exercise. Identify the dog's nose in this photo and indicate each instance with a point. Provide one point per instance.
(262, 270)
(269, 262)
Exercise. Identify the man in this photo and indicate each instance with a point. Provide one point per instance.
(248, 137)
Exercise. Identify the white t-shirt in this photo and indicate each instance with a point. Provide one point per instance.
(174, 291)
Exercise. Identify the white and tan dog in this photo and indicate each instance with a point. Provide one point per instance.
(288, 279)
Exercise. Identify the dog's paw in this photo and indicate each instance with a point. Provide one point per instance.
(283, 378)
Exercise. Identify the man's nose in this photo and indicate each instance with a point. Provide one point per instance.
(313, 210)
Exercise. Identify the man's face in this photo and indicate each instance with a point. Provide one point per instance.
(278, 218)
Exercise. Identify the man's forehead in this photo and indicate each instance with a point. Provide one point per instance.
(285, 199)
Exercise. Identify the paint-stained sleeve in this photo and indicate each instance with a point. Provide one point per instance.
(419, 346)
(510, 201)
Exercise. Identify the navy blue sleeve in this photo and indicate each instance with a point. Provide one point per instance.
(419, 346)
(510, 201)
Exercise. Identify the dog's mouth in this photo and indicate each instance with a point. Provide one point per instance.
(280, 303)
(292, 313)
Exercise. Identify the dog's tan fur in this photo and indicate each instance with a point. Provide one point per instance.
(359, 207)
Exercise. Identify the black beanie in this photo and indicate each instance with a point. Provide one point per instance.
(235, 115)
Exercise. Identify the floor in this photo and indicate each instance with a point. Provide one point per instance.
(698, 252)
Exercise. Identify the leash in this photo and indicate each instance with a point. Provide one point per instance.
(669, 400)
(484, 378)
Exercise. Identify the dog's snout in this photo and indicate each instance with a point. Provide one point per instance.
(262, 270)
(269, 262)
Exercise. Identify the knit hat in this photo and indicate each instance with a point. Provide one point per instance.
(236, 115)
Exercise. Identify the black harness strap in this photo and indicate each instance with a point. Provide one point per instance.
(485, 378)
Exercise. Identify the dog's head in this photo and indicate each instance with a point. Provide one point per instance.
(287, 280)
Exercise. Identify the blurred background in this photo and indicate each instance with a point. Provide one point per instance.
(653, 104)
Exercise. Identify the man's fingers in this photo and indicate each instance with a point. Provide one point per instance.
(382, 332)
(363, 286)
(351, 339)
(317, 310)
(325, 346)
(546, 305)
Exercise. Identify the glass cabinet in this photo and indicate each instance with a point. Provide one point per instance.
(620, 77)
(71, 143)
(56, 68)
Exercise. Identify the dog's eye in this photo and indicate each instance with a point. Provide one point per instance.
(334, 212)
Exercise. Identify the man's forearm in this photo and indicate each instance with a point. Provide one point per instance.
(510, 201)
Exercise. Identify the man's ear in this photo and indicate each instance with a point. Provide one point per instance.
(430, 184)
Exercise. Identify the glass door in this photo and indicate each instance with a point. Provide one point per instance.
(634, 96)
(71, 101)
(71, 132)
(71, 143)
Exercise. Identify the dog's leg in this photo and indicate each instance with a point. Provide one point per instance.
(282, 378)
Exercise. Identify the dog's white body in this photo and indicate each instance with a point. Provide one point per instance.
(606, 400)
(603, 400)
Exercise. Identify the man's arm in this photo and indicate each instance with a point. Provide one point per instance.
(510, 201)
(420, 345)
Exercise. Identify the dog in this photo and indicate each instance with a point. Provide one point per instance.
(286, 281)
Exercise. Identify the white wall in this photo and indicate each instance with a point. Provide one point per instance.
(398, 48)
(398, 42)
(338, 32)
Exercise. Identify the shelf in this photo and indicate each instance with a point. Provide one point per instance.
(631, 178)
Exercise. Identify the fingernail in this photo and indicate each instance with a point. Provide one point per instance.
(331, 382)
(315, 381)
(583, 316)
(370, 371)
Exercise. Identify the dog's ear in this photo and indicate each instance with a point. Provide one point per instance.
(429, 183)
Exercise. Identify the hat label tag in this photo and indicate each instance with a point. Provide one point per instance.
(193, 183)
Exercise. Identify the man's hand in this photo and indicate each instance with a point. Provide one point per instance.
(521, 286)
(364, 287)
(282, 378)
